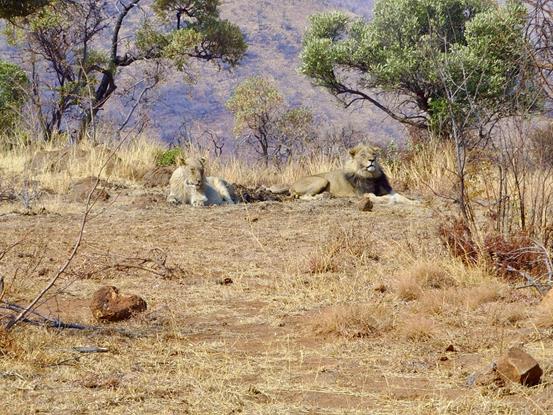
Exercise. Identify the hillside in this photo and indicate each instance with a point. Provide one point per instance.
(274, 32)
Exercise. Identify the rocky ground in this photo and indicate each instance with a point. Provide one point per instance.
(264, 308)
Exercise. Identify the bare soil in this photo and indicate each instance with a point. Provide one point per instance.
(242, 314)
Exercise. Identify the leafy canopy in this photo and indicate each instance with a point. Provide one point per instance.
(408, 48)
(262, 115)
(87, 44)
(13, 93)
(19, 8)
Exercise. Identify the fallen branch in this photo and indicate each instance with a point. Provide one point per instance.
(43, 320)
(531, 281)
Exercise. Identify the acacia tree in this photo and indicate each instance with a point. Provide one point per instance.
(18, 8)
(406, 45)
(268, 124)
(85, 45)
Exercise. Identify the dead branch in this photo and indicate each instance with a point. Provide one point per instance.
(531, 281)
(41, 320)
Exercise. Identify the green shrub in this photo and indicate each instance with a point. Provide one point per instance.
(168, 157)
(13, 93)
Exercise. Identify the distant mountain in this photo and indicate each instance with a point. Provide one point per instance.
(274, 32)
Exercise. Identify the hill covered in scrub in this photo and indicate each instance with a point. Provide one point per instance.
(274, 33)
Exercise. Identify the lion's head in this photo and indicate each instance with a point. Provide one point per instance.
(364, 161)
(194, 168)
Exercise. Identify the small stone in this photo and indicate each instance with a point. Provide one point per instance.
(109, 305)
(365, 205)
(518, 366)
(450, 348)
(381, 288)
(225, 281)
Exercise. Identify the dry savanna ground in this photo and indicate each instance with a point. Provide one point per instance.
(294, 307)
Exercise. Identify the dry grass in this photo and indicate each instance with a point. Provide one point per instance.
(277, 340)
(309, 324)
(342, 249)
(354, 321)
(132, 160)
(417, 329)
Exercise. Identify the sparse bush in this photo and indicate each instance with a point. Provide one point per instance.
(168, 157)
(13, 85)
(504, 255)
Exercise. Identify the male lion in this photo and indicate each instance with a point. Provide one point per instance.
(189, 185)
(361, 175)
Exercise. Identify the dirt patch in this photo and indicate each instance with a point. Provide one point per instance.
(157, 177)
(278, 339)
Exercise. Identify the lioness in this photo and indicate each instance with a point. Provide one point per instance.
(189, 185)
(361, 175)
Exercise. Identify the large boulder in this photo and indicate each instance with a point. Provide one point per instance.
(518, 366)
(109, 305)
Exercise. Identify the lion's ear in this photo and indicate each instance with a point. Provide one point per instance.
(353, 151)
(202, 161)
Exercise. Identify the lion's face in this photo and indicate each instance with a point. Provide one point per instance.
(364, 161)
(194, 171)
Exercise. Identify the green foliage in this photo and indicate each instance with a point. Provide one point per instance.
(19, 8)
(199, 9)
(420, 49)
(261, 114)
(253, 103)
(82, 45)
(13, 93)
(296, 126)
(200, 32)
(168, 157)
(180, 45)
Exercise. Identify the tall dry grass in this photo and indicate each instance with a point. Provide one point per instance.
(127, 165)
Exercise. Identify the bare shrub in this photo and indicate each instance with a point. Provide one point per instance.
(354, 321)
(457, 237)
(503, 254)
